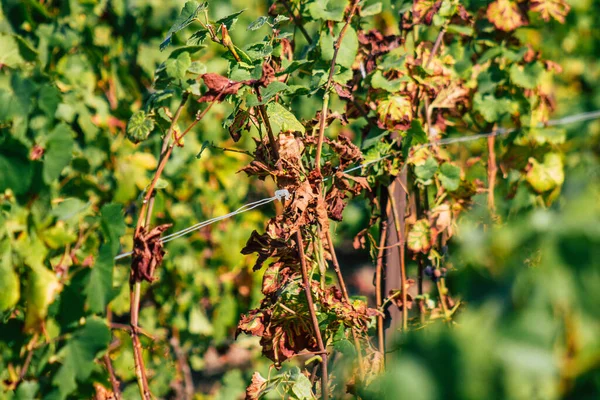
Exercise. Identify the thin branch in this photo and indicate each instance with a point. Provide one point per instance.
(30, 348)
(336, 265)
(338, 271)
(114, 382)
(297, 20)
(265, 117)
(140, 369)
(325, 108)
(183, 365)
(313, 316)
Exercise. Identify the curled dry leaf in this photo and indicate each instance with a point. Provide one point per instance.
(148, 253)
(424, 10)
(257, 385)
(218, 87)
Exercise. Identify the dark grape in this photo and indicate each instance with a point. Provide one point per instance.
(428, 270)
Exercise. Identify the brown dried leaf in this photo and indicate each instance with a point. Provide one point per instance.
(258, 383)
(424, 10)
(241, 121)
(218, 87)
(148, 253)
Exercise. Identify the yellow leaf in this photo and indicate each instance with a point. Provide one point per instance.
(506, 15)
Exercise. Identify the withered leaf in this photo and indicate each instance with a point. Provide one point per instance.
(218, 87)
(240, 121)
(148, 253)
(257, 384)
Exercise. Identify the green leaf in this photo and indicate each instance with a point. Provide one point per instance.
(99, 291)
(224, 317)
(547, 175)
(415, 135)
(419, 237)
(41, 289)
(16, 169)
(450, 176)
(197, 68)
(378, 81)
(197, 38)
(59, 152)
(186, 17)
(199, 324)
(113, 224)
(491, 107)
(79, 353)
(302, 388)
(282, 120)
(371, 10)
(329, 10)
(271, 90)
(229, 20)
(69, 208)
(279, 19)
(27, 390)
(461, 30)
(10, 288)
(426, 170)
(139, 127)
(348, 48)
(177, 68)
(527, 76)
(49, 99)
(14, 51)
(258, 23)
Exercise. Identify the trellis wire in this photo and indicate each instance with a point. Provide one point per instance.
(280, 194)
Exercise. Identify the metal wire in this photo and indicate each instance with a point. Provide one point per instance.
(280, 194)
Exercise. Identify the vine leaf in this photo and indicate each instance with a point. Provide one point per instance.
(58, 152)
(426, 170)
(348, 47)
(419, 237)
(328, 10)
(176, 68)
(557, 9)
(99, 290)
(42, 288)
(255, 390)
(139, 127)
(10, 289)
(189, 12)
(282, 120)
(547, 175)
(147, 253)
(218, 87)
(506, 15)
(79, 354)
(258, 23)
(424, 10)
(527, 76)
(450, 176)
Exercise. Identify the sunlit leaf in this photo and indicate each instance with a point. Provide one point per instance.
(189, 12)
(282, 120)
(506, 15)
(139, 126)
(419, 236)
